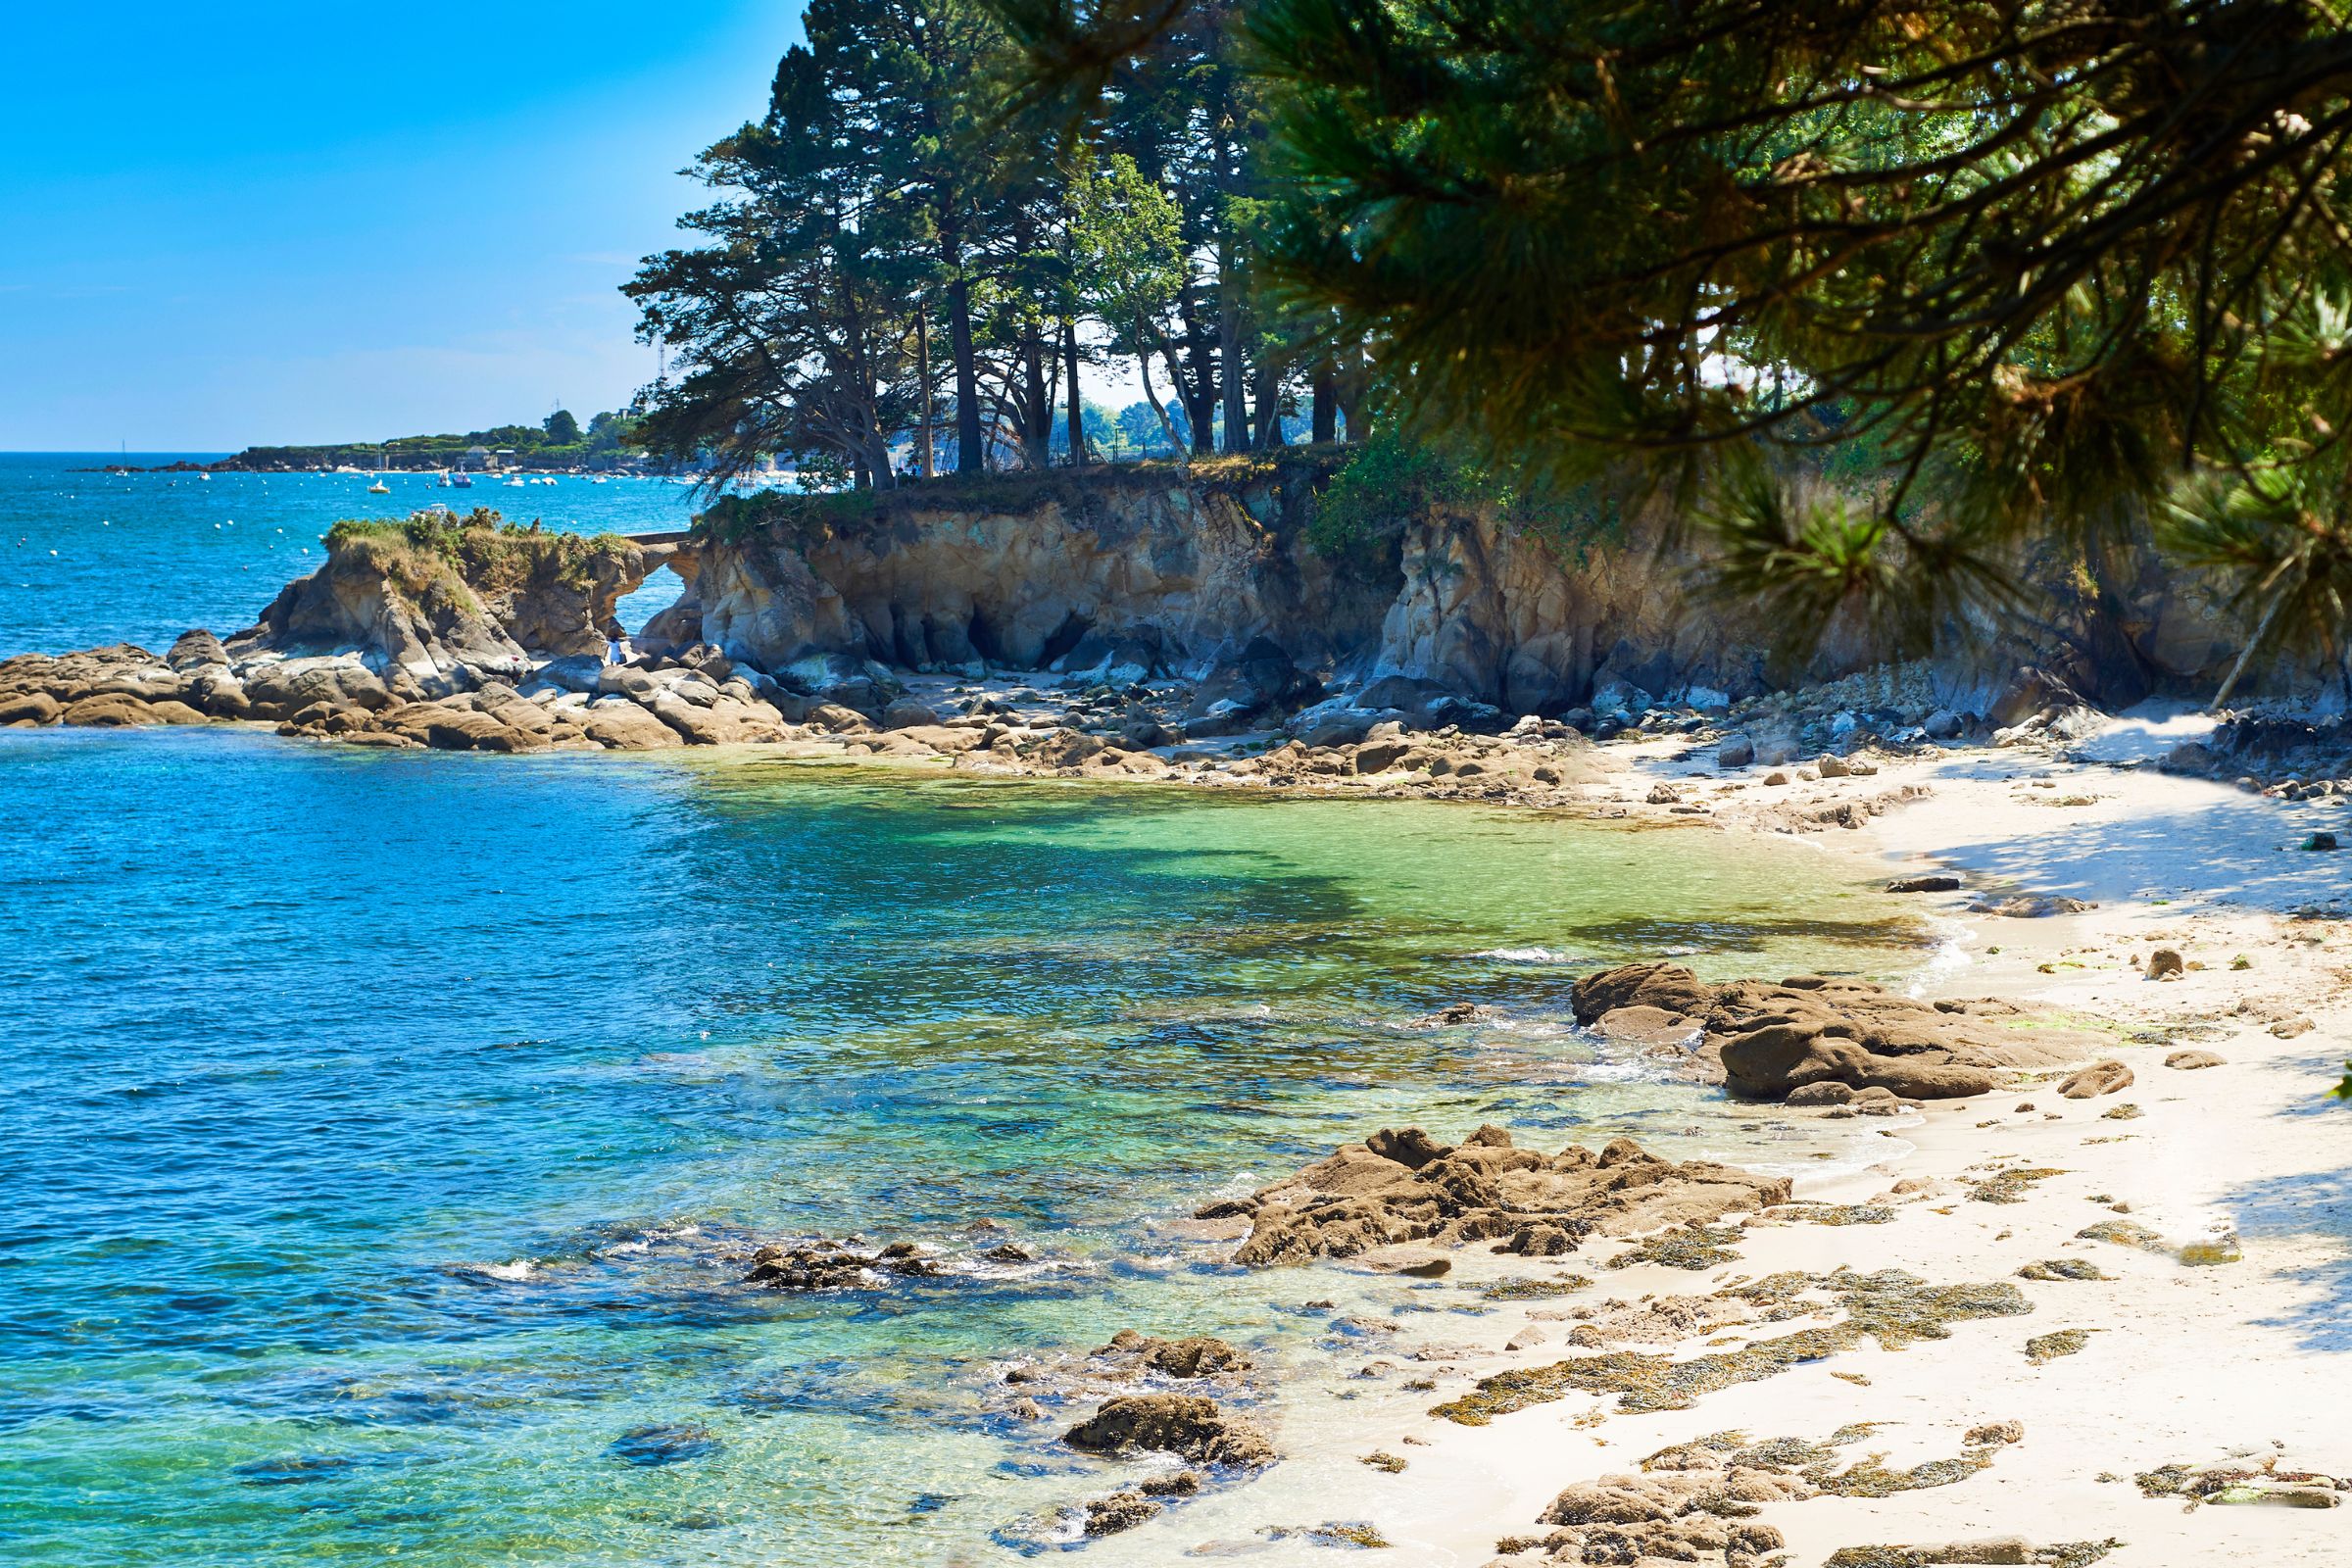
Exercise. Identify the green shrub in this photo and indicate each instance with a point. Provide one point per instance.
(1393, 479)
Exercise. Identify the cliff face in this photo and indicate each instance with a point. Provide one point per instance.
(1124, 572)
(1129, 571)
(1120, 571)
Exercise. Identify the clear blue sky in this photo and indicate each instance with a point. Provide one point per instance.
(259, 223)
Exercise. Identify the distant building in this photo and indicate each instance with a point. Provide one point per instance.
(503, 458)
(476, 459)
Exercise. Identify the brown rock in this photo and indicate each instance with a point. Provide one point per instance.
(620, 725)
(1197, 1355)
(1770, 1038)
(1121, 1510)
(2164, 963)
(2099, 1078)
(2192, 1061)
(1356, 1199)
(1408, 1147)
(1182, 1424)
(24, 710)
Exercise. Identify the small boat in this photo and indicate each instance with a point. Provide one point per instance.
(599, 479)
(513, 484)
(461, 481)
(379, 488)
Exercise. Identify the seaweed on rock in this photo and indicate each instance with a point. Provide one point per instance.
(1891, 1307)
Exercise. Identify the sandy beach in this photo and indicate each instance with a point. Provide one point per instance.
(2228, 1364)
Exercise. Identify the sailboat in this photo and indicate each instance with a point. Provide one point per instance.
(379, 488)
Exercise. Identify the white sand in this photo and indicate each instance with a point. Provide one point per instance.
(2190, 1365)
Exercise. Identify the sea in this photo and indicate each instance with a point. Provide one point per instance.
(383, 1132)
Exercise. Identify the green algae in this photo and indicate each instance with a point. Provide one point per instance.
(1358, 1534)
(2123, 1233)
(2205, 1254)
(2226, 1484)
(2063, 1268)
(2126, 1111)
(1834, 1213)
(2044, 1348)
(2010, 1186)
(1695, 1246)
(1536, 1290)
(1382, 1459)
(1893, 1308)
(2063, 1554)
(1872, 1479)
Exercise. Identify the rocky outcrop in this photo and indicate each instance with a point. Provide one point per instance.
(1772, 1039)
(1187, 1424)
(434, 607)
(1404, 1186)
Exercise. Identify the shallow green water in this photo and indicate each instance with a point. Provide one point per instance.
(378, 1122)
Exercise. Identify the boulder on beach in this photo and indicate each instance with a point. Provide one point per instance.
(1770, 1040)
(2099, 1078)
(1401, 1185)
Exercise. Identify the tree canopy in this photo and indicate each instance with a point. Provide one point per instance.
(2051, 264)
(902, 266)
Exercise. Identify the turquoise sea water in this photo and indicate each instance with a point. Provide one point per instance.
(88, 557)
(378, 1126)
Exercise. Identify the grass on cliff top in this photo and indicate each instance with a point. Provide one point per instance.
(478, 553)
(802, 520)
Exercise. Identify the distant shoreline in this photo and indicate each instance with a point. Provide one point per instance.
(237, 465)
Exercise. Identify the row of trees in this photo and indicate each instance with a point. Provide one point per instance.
(2054, 277)
(2049, 274)
(906, 261)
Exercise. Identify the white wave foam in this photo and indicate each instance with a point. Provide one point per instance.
(1525, 956)
(521, 1268)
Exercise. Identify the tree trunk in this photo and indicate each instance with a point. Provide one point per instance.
(1354, 386)
(1037, 400)
(1143, 364)
(922, 374)
(1325, 391)
(1229, 344)
(971, 453)
(1198, 392)
(1269, 406)
(1069, 352)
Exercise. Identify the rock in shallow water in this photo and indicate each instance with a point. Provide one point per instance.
(1184, 1424)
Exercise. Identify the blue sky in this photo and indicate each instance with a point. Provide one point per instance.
(260, 223)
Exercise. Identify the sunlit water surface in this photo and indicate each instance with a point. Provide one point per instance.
(377, 1127)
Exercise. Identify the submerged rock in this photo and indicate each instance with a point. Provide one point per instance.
(834, 1265)
(664, 1444)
